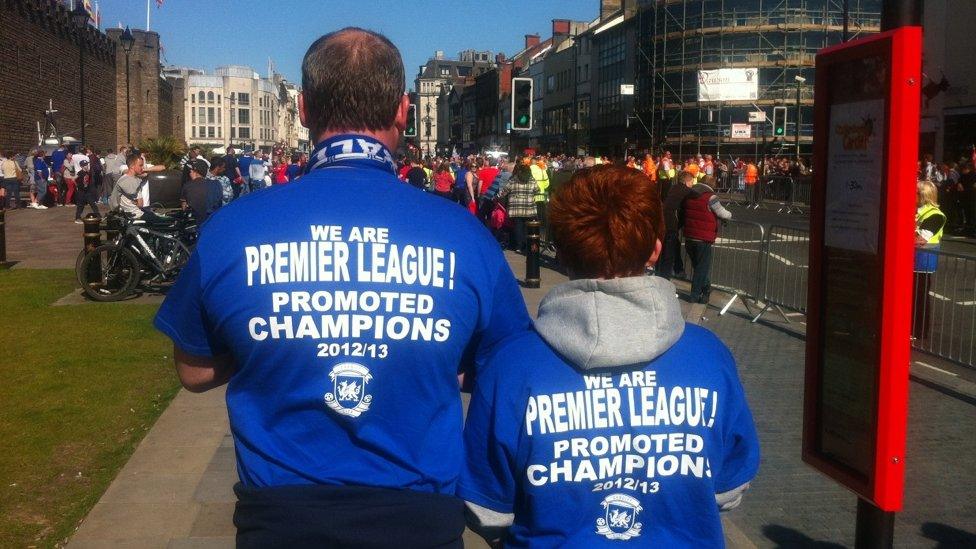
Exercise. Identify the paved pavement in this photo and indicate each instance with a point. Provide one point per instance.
(43, 239)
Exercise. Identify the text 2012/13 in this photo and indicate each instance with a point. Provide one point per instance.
(634, 484)
(370, 350)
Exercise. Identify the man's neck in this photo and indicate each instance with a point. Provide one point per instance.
(390, 137)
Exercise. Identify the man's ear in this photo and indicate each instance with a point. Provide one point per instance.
(403, 110)
(301, 109)
(655, 254)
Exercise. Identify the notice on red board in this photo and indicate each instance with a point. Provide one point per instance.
(855, 170)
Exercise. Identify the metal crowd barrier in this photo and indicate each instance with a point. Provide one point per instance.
(770, 267)
(944, 312)
(736, 261)
(785, 266)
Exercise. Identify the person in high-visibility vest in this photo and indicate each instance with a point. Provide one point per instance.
(751, 180)
(649, 167)
(540, 172)
(929, 223)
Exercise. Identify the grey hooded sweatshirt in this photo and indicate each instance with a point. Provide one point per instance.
(594, 324)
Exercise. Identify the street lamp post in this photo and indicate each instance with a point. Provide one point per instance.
(79, 16)
(127, 41)
(799, 82)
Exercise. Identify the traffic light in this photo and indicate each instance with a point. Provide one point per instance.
(521, 103)
(779, 121)
(411, 129)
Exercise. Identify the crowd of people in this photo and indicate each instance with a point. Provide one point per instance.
(84, 177)
(955, 183)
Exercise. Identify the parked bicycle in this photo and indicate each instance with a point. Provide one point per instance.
(152, 254)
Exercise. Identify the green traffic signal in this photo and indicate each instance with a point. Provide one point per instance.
(523, 120)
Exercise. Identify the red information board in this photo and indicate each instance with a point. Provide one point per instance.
(861, 252)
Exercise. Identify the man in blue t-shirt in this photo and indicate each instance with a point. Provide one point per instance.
(613, 420)
(341, 327)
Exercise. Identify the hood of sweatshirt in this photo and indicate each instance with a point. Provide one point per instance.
(619, 322)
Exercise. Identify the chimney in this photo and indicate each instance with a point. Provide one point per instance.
(531, 40)
(609, 7)
(439, 55)
(500, 58)
(560, 27)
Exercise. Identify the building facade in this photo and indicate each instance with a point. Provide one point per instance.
(779, 39)
(40, 58)
(437, 77)
(948, 125)
(234, 105)
(146, 107)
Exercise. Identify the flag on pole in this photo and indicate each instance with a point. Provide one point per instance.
(159, 4)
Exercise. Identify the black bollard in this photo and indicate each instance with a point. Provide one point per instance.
(532, 279)
(93, 238)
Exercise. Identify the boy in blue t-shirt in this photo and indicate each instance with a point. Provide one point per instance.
(613, 420)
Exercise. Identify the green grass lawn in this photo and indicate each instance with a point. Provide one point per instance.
(81, 386)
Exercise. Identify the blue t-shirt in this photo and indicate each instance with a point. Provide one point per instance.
(590, 459)
(348, 321)
(57, 159)
(244, 163)
(40, 166)
(459, 176)
(293, 171)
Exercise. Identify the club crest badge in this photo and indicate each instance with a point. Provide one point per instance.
(619, 520)
(349, 396)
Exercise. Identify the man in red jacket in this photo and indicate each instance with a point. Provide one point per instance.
(702, 210)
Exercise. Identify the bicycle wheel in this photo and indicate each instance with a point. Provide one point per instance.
(108, 273)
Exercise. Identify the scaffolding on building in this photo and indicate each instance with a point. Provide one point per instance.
(779, 38)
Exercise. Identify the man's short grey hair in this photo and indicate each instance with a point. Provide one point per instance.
(589, 162)
(352, 79)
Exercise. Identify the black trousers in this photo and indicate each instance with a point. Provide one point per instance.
(922, 306)
(86, 197)
(346, 517)
(670, 262)
(700, 253)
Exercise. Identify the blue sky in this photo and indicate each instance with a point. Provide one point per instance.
(208, 33)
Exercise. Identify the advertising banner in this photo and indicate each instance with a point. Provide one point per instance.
(728, 85)
(741, 131)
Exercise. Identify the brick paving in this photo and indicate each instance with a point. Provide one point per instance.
(791, 505)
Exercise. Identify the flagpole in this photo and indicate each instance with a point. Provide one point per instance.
(147, 15)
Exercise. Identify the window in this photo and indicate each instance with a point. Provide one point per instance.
(193, 115)
(219, 121)
(200, 97)
(210, 97)
(244, 98)
(202, 113)
(244, 133)
(210, 115)
(211, 132)
(202, 131)
(551, 83)
(193, 131)
(233, 132)
(193, 98)
(220, 132)
(243, 116)
(218, 98)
